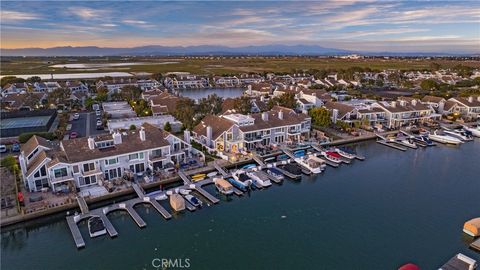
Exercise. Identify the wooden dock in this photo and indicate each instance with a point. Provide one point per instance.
(392, 145)
(82, 204)
(258, 160)
(476, 245)
(161, 209)
(109, 226)
(207, 195)
(237, 191)
(184, 177)
(138, 190)
(77, 236)
(220, 169)
(459, 262)
(135, 216)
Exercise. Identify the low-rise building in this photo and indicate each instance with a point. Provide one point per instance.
(468, 107)
(233, 133)
(406, 111)
(85, 162)
(164, 103)
(15, 88)
(186, 81)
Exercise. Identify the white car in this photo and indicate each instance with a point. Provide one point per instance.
(3, 148)
(76, 116)
(98, 112)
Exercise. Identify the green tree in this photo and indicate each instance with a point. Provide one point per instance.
(320, 116)
(10, 79)
(34, 79)
(102, 94)
(242, 105)
(89, 102)
(59, 96)
(10, 163)
(429, 85)
(167, 127)
(132, 127)
(210, 105)
(185, 112)
(131, 92)
(287, 100)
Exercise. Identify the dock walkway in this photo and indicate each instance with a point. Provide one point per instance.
(82, 204)
(77, 236)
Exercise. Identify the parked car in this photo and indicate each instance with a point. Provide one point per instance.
(3, 148)
(76, 116)
(99, 124)
(16, 147)
(98, 113)
(73, 135)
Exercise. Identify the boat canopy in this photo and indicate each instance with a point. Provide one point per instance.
(472, 227)
(223, 183)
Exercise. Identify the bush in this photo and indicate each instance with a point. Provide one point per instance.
(24, 137)
(133, 127)
(10, 163)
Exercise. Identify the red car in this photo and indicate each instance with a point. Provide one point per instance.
(73, 135)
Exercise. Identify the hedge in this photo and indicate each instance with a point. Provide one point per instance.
(24, 137)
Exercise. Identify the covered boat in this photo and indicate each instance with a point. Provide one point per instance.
(177, 202)
(96, 227)
(472, 227)
(223, 186)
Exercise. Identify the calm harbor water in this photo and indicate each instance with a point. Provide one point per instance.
(221, 92)
(393, 208)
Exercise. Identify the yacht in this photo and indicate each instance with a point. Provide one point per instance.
(96, 227)
(237, 184)
(406, 141)
(260, 177)
(459, 134)
(313, 165)
(275, 173)
(423, 140)
(442, 138)
(474, 130)
(242, 177)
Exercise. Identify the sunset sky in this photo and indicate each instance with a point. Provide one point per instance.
(354, 25)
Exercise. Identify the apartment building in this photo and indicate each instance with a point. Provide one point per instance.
(85, 162)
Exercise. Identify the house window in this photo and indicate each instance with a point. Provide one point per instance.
(139, 167)
(135, 156)
(41, 183)
(32, 154)
(104, 144)
(41, 172)
(75, 168)
(111, 161)
(88, 180)
(62, 172)
(88, 167)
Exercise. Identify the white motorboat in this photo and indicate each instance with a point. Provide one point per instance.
(212, 174)
(458, 134)
(260, 177)
(408, 142)
(242, 177)
(161, 197)
(344, 154)
(96, 227)
(275, 173)
(332, 156)
(442, 138)
(474, 130)
(184, 191)
(312, 165)
(193, 200)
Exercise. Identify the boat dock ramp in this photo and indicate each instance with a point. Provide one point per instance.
(476, 245)
(460, 262)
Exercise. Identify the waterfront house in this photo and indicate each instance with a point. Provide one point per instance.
(434, 102)
(233, 133)
(250, 78)
(468, 107)
(259, 89)
(342, 112)
(226, 81)
(374, 115)
(115, 85)
(74, 86)
(85, 162)
(186, 81)
(406, 111)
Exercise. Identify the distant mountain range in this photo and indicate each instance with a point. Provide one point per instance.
(198, 50)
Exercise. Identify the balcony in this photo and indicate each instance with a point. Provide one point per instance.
(91, 172)
(61, 179)
(253, 138)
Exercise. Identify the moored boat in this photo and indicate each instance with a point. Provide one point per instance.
(198, 177)
(275, 173)
(423, 140)
(96, 227)
(442, 138)
(332, 156)
(472, 227)
(344, 153)
(223, 186)
(242, 177)
(193, 200)
(177, 202)
(237, 184)
(459, 134)
(260, 178)
(314, 166)
(293, 171)
(474, 130)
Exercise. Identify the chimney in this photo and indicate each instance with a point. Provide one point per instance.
(117, 137)
(441, 105)
(402, 102)
(265, 116)
(470, 99)
(142, 134)
(414, 102)
(91, 143)
(262, 98)
(209, 136)
(186, 136)
(280, 115)
(334, 115)
(394, 104)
